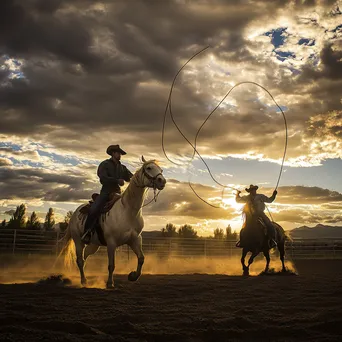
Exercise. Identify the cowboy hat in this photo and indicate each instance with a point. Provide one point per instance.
(115, 148)
(252, 187)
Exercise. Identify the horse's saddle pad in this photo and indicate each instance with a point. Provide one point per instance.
(113, 198)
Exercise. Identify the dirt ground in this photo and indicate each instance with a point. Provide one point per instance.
(174, 306)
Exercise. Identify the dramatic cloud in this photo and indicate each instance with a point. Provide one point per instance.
(76, 76)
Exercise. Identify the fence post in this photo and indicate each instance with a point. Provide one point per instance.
(57, 238)
(333, 249)
(14, 240)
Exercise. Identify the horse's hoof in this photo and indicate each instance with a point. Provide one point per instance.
(133, 276)
(84, 282)
(109, 286)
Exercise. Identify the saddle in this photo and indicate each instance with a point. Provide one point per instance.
(109, 205)
(263, 227)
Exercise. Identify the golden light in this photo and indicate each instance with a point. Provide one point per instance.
(231, 203)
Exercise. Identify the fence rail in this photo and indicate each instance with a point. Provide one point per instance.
(21, 241)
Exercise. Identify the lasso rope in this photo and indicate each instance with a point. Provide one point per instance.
(169, 106)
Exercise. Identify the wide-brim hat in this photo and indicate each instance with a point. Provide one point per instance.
(115, 148)
(252, 187)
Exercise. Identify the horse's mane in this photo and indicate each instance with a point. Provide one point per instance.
(247, 213)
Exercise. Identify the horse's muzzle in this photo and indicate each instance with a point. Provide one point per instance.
(160, 182)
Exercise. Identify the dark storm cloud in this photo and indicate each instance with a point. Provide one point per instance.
(331, 65)
(146, 49)
(303, 216)
(24, 33)
(307, 195)
(88, 70)
(39, 184)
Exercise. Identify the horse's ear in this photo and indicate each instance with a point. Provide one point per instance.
(143, 159)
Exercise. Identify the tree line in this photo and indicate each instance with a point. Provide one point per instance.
(187, 231)
(19, 220)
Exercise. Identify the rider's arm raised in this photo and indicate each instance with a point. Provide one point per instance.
(270, 199)
(242, 199)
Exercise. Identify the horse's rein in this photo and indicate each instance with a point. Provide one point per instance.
(153, 179)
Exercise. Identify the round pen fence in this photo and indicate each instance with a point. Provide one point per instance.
(24, 241)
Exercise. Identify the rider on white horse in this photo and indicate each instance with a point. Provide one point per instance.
(257, 205)
(112, 175)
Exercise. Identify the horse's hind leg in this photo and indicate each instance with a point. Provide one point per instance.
(281, 248)
(268, 259)
(251, 259)
(80, 260)
(136, 245)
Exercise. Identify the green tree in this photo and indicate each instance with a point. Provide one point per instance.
(229, 232)
(64, 225)
(219, 234)
(49, 220)
(230, 235)
(18, 218)
(33, 222)
(187, 231)
(3, 223)
(169, 231)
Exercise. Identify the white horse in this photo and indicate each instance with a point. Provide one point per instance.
(121, 225)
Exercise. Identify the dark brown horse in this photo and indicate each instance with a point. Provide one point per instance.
(254, 239)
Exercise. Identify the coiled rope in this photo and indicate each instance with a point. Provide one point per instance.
(194, 146)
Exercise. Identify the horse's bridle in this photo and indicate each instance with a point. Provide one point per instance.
(150, 178)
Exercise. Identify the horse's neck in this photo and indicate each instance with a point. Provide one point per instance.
(251, 221)
(134, 196)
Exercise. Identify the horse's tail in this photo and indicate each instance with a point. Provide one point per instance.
(68, 248)
(287, 236)
(282, 231)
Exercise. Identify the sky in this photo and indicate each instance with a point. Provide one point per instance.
(77, 76)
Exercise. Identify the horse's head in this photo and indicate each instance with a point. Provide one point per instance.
(152, 175)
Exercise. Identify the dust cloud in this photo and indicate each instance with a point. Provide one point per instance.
(33, 268)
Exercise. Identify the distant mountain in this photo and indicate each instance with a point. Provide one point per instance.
(318, 232)
(151, 234)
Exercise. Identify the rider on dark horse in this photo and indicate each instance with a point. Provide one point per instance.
(112, 175)
(256, 203)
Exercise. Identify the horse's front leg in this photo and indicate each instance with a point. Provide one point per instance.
(244, 267)
(111, 263)
(136, 244)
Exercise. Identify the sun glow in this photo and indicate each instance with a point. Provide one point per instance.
(230, 203)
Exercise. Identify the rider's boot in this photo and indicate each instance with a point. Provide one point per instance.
(88, 230)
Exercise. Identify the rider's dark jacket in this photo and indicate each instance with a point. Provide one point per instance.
(110, 172)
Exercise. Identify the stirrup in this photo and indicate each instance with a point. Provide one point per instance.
(86, 237)
(238, 244)
(272, 243)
